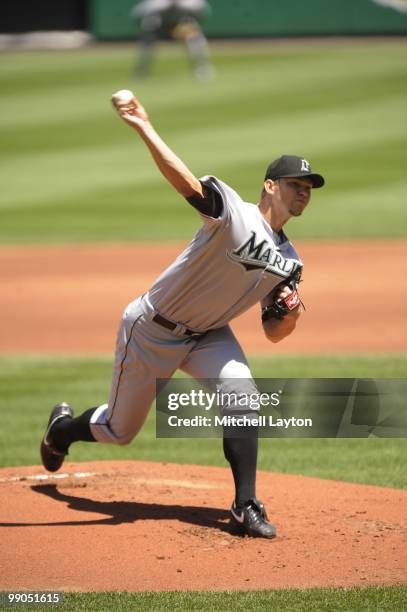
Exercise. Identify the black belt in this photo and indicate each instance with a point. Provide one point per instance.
(171, 325)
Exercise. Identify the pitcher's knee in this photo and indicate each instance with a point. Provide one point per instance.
(113, 429)
(122, 437)
(239, 397)
(124, 432)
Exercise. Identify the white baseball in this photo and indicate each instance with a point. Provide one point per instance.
(123, 96)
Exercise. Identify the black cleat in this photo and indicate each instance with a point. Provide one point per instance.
(52, 458)
(251, 519)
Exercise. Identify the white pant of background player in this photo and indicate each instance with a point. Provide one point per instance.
(146, 351)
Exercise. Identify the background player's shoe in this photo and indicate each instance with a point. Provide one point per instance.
(52, 457)
(251, 519)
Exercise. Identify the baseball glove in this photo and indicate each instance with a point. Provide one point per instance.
(281, 307)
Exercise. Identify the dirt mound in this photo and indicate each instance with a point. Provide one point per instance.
(139, 526)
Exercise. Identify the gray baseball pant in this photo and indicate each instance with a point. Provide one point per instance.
(146, 351)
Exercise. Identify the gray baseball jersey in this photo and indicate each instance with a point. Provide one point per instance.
(232, 262)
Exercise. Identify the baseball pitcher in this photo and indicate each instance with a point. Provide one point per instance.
(239, 256)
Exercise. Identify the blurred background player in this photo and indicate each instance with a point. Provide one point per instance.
(174, 19)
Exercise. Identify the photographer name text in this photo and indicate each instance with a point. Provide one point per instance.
(238, 421)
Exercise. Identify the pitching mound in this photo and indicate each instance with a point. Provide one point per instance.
(151, 526)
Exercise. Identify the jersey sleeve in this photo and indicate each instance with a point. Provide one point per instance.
(209, 206)
(224, 200)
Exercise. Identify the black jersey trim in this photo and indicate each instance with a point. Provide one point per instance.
(211, 205)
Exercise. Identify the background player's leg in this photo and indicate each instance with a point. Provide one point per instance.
(189, 32)
(217, 359)
(150, 32)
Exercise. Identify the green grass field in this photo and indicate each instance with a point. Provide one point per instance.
(31, 386)
(371, 599)
(312, 600)
(71, 172)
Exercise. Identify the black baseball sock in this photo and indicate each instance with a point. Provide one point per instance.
(67, 430)
(240, 446)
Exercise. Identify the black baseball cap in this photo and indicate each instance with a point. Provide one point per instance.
(291, 166)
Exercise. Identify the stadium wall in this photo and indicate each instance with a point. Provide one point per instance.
(268, 18)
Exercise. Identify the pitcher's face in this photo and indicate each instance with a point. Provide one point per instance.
(295, 193)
